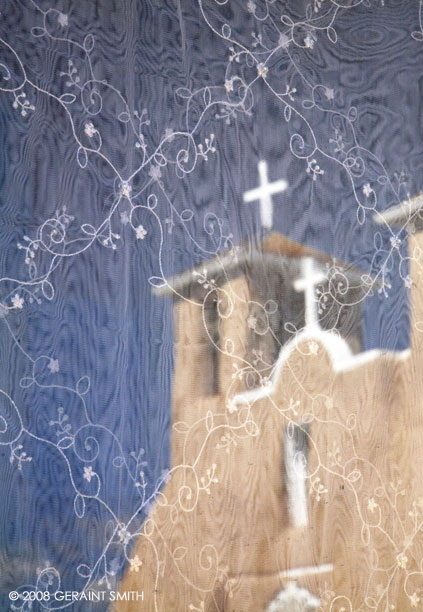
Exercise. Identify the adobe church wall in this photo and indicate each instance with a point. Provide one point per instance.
(220, 529)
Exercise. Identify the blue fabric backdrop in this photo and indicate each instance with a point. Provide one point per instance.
(129, 132)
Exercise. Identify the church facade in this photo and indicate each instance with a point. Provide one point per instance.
(294, 480)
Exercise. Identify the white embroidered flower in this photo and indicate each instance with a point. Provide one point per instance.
(329, 93)
(251, 6)
(408, 282)
(262, 70)
(395, 242)
(155, 173)
(252, 322)
(229, 85)
(53, 365)
(372, 505)
(17, 301)
(140, 232)
(124, 535)
(124, 217)
(367, 190)
(402, 561)
(125, 190)
(309, 41)
(62, 20)
(89, 473)
(266, 382)
(89, 129)
(135, 563)
(414, 600)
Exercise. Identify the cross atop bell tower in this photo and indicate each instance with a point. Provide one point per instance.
(264, 193)
(310, 278)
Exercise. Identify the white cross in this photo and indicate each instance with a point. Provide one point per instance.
(307, 283)
(264, 194)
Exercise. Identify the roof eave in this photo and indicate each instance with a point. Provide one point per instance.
(402, 215)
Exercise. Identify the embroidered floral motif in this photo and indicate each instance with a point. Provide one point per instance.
(89, 473)
(90, 129)
(17, 301)
(372, 505)
(53, 366)
(309, 41)
(140, 232)
(62, 20)
(367, 190)
(135, 564)
(414, 600)
(155, 173)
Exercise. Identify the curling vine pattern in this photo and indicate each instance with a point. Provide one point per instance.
(276, 39)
